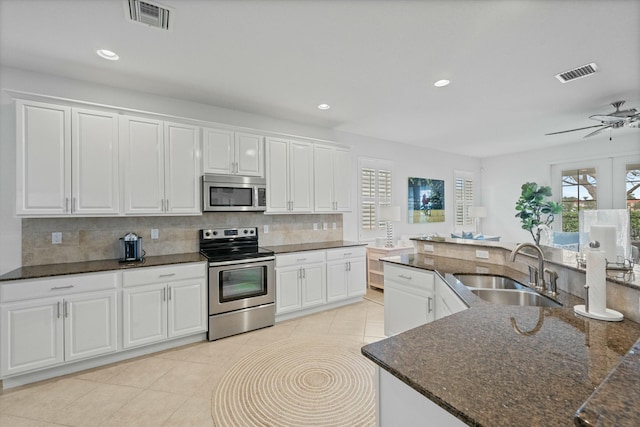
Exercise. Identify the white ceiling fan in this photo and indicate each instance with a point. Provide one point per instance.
(615, 120)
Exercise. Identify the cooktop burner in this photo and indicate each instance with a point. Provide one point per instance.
(231, 244)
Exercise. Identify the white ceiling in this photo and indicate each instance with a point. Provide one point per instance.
(374, 61)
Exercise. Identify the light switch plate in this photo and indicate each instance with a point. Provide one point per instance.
(315, 226)
(482, 254)
(335, 226)
(325, 226)
(56, 237)
(154, 234)
(265, 229)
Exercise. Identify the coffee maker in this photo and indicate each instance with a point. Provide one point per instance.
(130, 248)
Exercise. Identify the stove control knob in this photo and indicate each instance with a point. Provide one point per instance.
(215, 233)
(250, 231)
(246, 231)
(207, 233)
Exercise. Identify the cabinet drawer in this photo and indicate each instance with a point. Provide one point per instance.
(296, 258)
(413, 277)
(346, 252)
(53, 287)
(171, 273)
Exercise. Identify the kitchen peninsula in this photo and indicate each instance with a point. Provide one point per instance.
(510, 365)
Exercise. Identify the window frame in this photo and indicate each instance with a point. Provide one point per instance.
(377, 165)
(463, 205)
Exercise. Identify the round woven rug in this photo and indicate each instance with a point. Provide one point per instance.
(297, 382)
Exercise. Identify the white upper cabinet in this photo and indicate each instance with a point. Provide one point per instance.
(182, 171)
(67, 160)
(94, 167)
(43, 158)
(332, 179)
(160, 166)
(289, 176)
(233, 153)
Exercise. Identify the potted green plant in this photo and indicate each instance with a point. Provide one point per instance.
(534, 211)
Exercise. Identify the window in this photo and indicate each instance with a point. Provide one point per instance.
(579, 192)
(464, 199)
(633, 198)
(375, 192)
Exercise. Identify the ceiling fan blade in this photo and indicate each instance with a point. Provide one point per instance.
(605, 118)
(573, 130)
(595, 132)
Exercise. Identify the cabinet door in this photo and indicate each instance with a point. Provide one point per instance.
(313, 285)
(336, 280)
(187, 308)
(447, 301)
(288, 292)
(277, 160)
(301, 176)
(218, 151)
(90, 325)
(182, 171)
(342, 180)
(31, 336)
(95, 180)
(43, 158)
(142, 154)
(357, 277)
(249, 155)
(404, 309)
(144, 312)
(323, 189)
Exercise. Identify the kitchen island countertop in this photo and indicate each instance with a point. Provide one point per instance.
(512, 365)
(314, 246)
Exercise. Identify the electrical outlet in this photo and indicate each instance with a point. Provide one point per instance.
(56, 237)
(482, 254)
(154, 234)
(315, 226)
(428, 248)
(265, 229)
(325, 226)
(335, 225)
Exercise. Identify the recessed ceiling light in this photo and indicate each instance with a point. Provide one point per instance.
(441, 83)
(324, 106)
(107, 54)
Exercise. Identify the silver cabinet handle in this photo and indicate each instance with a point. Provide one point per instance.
(170, 292)
(59, 310)
(301, 259)
(304, 273)
(405, 277)
(167, 208)
(167, 275)
(346, 266)
(164, 294)
(429, 304)
(55, 288)
(299, 273)
(66, 204)
(349, 265)
(73, 205)
(66, 309)
(347, 253)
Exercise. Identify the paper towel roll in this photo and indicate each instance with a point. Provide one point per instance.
(596, 280)
(606, 235)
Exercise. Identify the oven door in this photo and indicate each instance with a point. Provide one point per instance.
(235, 285)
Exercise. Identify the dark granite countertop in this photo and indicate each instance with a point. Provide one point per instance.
(49, 270)
(314, 246)
(512, 365)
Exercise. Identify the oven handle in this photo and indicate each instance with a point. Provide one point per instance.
(242, 261)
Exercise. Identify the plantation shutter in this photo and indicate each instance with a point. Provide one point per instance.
(464, 200)
(375, 187)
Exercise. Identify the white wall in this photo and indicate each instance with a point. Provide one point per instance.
(409, 161)
(502, 177)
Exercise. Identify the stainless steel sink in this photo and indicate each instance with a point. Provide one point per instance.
(486, 281)
(515, 297)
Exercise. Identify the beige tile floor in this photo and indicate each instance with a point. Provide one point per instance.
(172, 388)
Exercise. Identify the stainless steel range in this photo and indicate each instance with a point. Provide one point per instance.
(241, 281)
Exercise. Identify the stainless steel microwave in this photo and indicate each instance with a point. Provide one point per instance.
(227, 193)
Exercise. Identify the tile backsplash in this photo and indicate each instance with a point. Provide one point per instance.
(88, 239)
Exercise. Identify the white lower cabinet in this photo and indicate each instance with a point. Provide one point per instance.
(413, 297)
(346, 273)
(40, 332)
(163, 302)
(300, 281)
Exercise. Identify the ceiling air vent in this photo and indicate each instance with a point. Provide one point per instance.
(149, 13)
(577, 73)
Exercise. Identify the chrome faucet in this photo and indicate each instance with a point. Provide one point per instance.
(541, 284)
